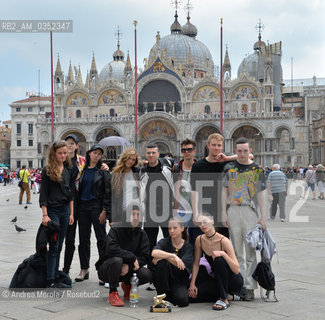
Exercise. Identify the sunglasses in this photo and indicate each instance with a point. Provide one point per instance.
(187, 150)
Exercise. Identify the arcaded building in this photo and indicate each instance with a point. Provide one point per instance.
(178, 98)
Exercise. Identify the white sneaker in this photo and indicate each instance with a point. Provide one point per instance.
(282, 220)
(106, 285)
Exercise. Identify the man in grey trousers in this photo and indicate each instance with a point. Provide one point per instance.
(277, 184)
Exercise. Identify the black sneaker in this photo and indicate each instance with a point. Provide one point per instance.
(151, 287)
(61, 285)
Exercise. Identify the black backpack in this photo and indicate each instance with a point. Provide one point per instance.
(264, 276)
(31, 273)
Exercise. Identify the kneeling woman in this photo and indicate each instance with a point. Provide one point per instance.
(173, 257)
(127, 251)
(220, 255)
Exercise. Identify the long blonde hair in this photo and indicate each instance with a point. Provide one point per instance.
(52, 168)
(119, 169)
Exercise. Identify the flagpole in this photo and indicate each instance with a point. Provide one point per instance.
(52, 99)
(221, 83)
(136, 87)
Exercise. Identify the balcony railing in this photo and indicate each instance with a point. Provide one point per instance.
(180, 116)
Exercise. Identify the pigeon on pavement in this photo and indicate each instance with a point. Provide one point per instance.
(19, 229)
(14, 220)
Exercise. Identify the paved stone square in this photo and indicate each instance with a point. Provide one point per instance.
(299, 272)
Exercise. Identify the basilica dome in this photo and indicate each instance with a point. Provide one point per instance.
(114, 69)
(183, 49)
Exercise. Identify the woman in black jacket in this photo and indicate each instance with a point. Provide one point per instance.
(94, 201)
(173, 257)
(56, 201)
(127, 251)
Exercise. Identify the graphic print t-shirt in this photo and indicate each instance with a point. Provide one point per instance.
(243, 183)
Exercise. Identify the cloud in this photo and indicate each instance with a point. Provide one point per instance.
(13, 93)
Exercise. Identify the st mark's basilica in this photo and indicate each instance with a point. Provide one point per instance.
(178, 98)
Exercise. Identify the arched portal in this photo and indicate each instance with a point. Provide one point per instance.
(160, 132)
(159, 95)
(201, 139)
(284, 146)
(255, 138)
(111, 153)
(81, 138)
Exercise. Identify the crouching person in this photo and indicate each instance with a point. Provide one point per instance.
(173, 260)
(126, 252)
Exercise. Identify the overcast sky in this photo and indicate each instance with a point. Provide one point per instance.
(299, 24)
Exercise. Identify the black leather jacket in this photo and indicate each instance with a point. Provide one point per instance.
(102, 189)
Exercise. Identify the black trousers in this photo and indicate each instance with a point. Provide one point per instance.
(70, 241)
(225, 281)
(279, 199)
(110, 271)
(152, 233)
(173, 282)
(88, 215)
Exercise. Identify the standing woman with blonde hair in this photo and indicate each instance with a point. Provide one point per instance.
(125, 188)
(56, 201)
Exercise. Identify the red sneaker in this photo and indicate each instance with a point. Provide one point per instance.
(126, 288)
(115, 300)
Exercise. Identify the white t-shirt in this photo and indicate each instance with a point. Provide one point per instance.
(130, 191)
(185, 193)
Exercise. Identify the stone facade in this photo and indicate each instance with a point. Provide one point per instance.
(178, 98)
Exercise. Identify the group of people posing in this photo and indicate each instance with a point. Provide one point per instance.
(204, 208)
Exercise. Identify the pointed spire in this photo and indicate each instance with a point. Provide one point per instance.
(58, 69)
(93, 74)
(87, 83)
(268, 59)
(79, 80)
(226, 63)
(93, 64)
(70, 78)
(128, 65)
(226, 66)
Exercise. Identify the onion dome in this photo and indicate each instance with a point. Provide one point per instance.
(189, 29)
(176, 27)
(114, 70)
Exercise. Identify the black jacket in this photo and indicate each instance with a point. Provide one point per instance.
(46, 235)
(57, 194)
(101, 188)
(127, 243)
